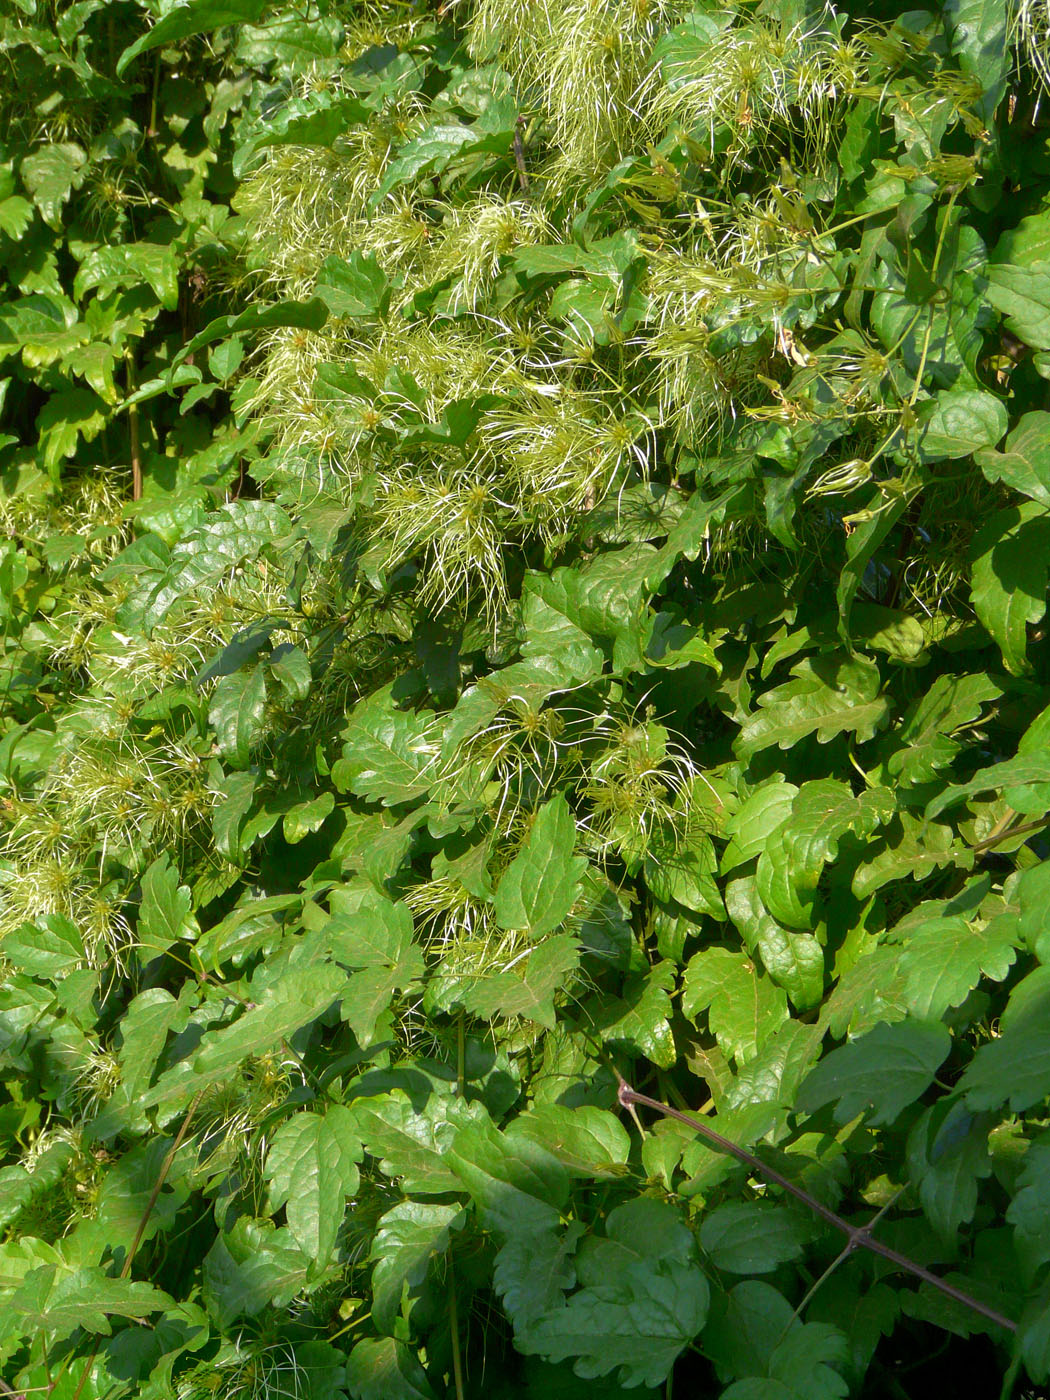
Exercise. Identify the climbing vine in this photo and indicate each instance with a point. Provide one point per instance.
(524, 756)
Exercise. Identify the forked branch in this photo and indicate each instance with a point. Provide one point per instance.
(857, 1236)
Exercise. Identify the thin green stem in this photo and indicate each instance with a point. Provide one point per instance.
(453, 1327)
(839, 1259)
(134, 435)
(922, 362)
(941, 236)
(461, 1057)
(152, 132)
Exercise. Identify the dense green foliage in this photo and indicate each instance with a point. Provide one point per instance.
(527, 529)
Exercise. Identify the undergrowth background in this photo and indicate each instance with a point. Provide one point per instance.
(524, 562)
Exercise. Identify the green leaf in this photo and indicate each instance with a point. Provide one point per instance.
(16, 1191)
(16, 214)
(305, 818)
(250, 1267)
(861, 547)
(255, 925)
(371, 934)
(1018, 275)
(763, 1091)
(407, 1238)
(1027, 1212)
(585, 305)
(45, 328)
(640, 1020)
(355, 286)
(543, 881)
(800, 1368)
(980, 38)
(57, 1303)
(49, 948)
(867, 993)
(50, 174)
(883, 1072)
(691, 531)
(1024, 463)
(130, 265)
(291, 39)
(754, 1237)
(144, 1030)
(588, 1141)
(236, 794)
(530, 682)
(674, 644)
(242, 647)
(532, 1272)
(1014, 1068)
(516, 1184)
(381, 1368)
(299, 315)
(608, 596)
(897, 634)
(291, 667)
(948, 1155)
(388, 753)
(558, 259)
(225, 358)
(528, 990)
(456, 425)
(224, 540)
(788, 892)
(412, 1143)
(432, 152)
(684, 873)
(910, 849)
(164, 914)
(960, 423)
(1033, 1336)
(923, 743)
(755, 820)
(642, 1299)
(825, 698)
(67, 417)
(945, 958)
(824, 812)
(236, 714)
(1013, 776)
(191, 17)
(1031, 893)
(163, 384)
(795, 961)
(374, 845)
(746, 1327)
(1011, 554)
(299, 998)
(744, 1008)
(554, 637)
(317, 119)
(312, 1171)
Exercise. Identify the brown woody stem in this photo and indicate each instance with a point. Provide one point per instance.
(1007, 834)
(158, 1186)
(857, 1236)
